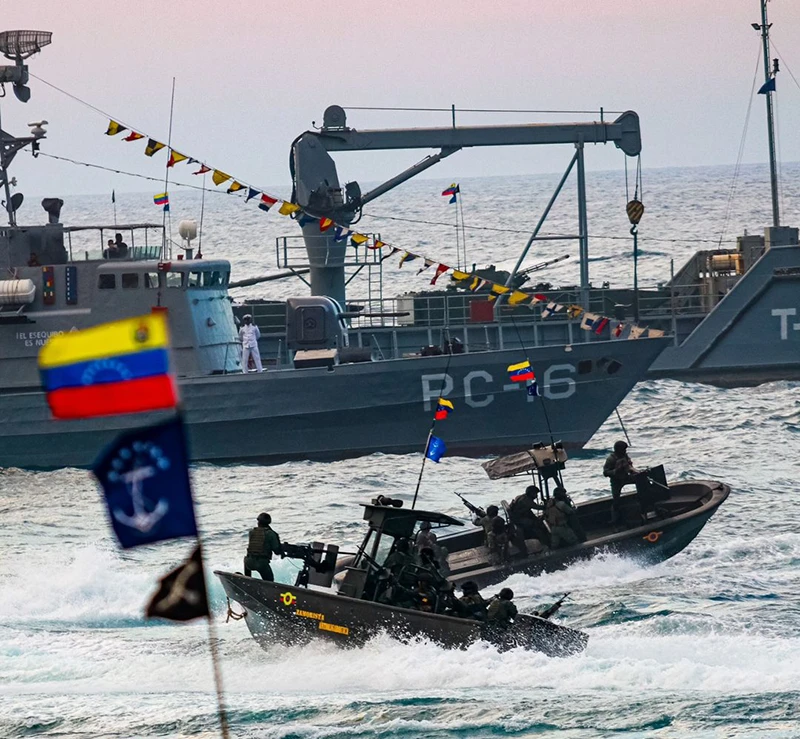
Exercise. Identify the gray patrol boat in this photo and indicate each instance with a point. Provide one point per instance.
(338, 385)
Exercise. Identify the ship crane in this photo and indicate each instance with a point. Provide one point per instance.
(318, 191)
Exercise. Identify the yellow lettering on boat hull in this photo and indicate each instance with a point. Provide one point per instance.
(334, 628)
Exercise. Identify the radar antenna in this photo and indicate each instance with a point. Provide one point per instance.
(18, 46)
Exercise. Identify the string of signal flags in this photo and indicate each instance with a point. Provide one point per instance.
(592, 322)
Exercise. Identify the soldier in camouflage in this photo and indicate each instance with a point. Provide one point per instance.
(263, 542)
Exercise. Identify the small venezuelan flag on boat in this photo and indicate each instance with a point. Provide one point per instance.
(161, 199)
(110, 369)
(520, 372)
(443, 409)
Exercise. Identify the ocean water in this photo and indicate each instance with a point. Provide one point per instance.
(704, 645)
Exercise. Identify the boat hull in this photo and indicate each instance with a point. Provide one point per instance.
(278, 614)
(649, 542)
(356, 409)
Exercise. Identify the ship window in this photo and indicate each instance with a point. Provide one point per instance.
(174, 279)
(195, 278)
(584, 366)
(613, 366)
(151, 280)
(214, 279)
(130, 279)
(106, 281)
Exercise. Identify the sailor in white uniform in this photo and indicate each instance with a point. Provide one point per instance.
(249, 336)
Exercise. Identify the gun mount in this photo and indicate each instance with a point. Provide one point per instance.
(316, 186)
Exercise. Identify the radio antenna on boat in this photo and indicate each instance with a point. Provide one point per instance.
(767, 89)
(540, 392)
(449, 347)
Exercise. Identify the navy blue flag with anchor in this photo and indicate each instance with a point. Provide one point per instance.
(145, 478)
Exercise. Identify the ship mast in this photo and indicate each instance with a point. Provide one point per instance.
(768, 90)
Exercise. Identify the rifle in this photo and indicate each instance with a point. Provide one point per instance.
(473, 508)
(548, 612)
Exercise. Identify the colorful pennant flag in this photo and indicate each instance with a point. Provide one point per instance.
(175, 157)
(636, 332)
(267, 202)
(181, 594)
(520, 372)
(533, 389)
(133, 136)
(235, 187)
(538, 298)
(340, 233)
(110, 369)
(440, 270)
(287, 208)
(152, 147)
(325, 223)
(452, 191)
(459, 276)
(517, 297)
(304, 219)
(426, 264)
(655, 333)
(407, 257)
(114, 128)
(768, 86)
(443, 409)
(475, 284)
(144, 474)
(497, 290)
(203, 169)
(251, 193)
(618, 329)
(436, 448)
(161, 199)
(358, 239)
(600, 324)
(550, 308)
(219, 177)
(573, 311)
(378, 244)
(588, 320)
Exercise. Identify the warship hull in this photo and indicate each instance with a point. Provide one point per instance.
(356, 409)
(278, 614)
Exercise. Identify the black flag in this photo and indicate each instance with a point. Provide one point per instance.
(182, 593)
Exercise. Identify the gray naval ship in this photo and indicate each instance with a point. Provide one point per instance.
(332, 389)
(731, 314)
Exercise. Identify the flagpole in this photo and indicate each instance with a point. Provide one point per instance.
(430, 430)
(541, 394)
(166, 179)
(114, 201)
(222, 712)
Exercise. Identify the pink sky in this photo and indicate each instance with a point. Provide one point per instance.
(252, 75)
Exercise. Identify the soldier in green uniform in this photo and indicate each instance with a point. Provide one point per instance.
(262, 544)
(492, 512)
(620, 470)
(562, 518)
(472, 602)
(501, 610)
(522, 513)
(497, 542)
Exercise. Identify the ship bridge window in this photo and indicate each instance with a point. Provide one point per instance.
(215, 278)
(151, 280)
(130, 280)
(174, 279)
(106, 281)
(195, 279)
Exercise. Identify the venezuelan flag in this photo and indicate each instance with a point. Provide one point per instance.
(110, 369)
(443, 409)
(161, 199)
(520, 372)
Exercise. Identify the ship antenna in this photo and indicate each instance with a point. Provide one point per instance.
(167, 210)
(449, 347)
(767, 90)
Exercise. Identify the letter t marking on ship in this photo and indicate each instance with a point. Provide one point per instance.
(784, 314)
